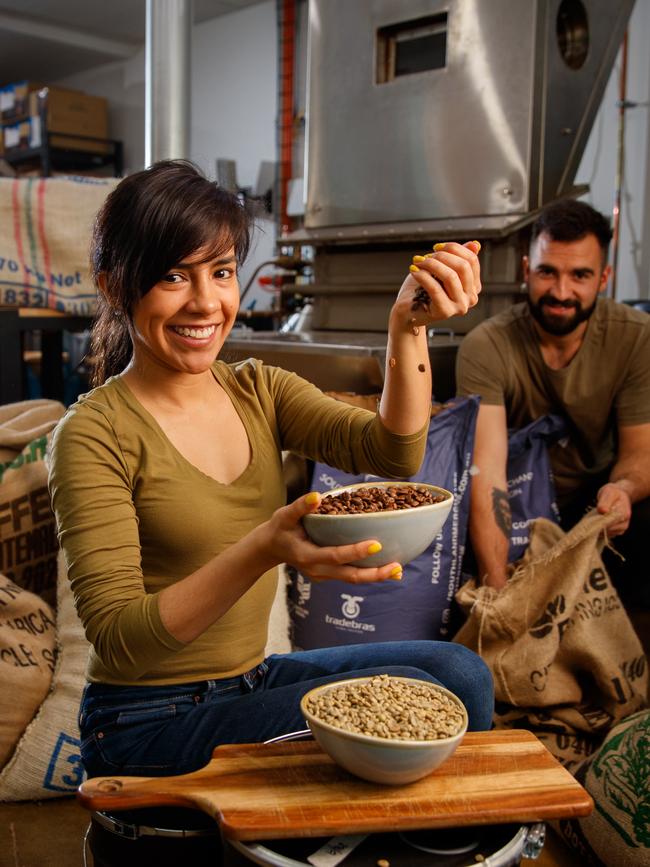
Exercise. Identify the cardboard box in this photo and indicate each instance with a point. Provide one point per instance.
(14, 100)
(71, 112)
(68, 116)
(17, 135)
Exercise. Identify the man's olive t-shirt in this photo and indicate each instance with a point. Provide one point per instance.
(134, 516)
(606, 384)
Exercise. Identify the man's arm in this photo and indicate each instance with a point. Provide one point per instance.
(490, 519)
(629, 480)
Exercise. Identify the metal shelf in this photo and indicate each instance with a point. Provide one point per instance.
(50, 155)
(55, 157)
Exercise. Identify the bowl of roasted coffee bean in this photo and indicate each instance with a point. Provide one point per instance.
(405, 517)
(385, 729)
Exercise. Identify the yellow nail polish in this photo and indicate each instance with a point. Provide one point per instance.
(418, 258)
(438, 247)
(478, 244)
(375, 548)
(312, 497)
(413, 268)
(396, 574)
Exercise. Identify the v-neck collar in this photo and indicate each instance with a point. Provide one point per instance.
(225, 382)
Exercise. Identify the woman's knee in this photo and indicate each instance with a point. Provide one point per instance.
(469, 664)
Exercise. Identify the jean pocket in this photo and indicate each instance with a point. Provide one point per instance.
(109, 753)
(144, 714)
(139, 740)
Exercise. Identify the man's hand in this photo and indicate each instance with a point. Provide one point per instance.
(612, 498)
(630, 476)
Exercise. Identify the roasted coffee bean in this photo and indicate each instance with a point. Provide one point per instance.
(421, 300)
(375, 499)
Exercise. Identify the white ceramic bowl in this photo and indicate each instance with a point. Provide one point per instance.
(404, 534)
(381, 760)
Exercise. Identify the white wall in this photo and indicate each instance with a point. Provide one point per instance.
(122, 84)
(234, 107)
(598, 166)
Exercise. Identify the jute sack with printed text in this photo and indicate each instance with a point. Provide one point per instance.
(28, 542)
(617, 776)
(45, 229)
(47, 761)
(27, 654)
(566, 661)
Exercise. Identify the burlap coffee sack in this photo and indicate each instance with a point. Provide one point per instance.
(7, 456)
(617, 776)
(278, 638)
(570, 734)
(47, 762)
(27, 655)
(22, 422)
(45, 230)
(560, 645)
(28, 542)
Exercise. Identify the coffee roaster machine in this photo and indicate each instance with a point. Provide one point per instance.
(426, 120)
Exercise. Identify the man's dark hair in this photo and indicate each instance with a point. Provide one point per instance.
(569, 220)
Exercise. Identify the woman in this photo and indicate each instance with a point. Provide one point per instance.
(166, 482)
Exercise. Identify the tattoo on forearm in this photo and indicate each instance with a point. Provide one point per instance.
(502, 513)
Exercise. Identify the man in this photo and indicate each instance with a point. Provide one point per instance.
(568, 351)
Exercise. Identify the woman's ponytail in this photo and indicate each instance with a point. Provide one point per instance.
(110, 343)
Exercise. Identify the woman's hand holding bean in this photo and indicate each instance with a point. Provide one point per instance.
(441, 284)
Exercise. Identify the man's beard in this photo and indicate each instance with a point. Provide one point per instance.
(557, 326)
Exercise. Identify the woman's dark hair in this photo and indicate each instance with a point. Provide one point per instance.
(570, 220)
(150, 222)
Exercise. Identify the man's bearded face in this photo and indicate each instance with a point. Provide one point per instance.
(553, 315)
(564, 279)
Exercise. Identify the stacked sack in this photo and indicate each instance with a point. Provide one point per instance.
(568, 666)
(28, 543)
(45, 228)
(42, 647)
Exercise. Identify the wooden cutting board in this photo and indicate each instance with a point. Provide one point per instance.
(293, 789)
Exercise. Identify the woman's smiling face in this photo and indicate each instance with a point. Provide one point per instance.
(182, 322)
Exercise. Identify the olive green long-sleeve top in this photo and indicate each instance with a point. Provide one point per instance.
(134, 516)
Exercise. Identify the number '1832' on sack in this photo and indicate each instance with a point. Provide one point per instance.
(45, 229)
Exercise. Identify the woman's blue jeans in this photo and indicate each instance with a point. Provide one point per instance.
(161, 730)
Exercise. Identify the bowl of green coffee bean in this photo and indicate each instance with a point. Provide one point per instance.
(404, 517)
(385, 729)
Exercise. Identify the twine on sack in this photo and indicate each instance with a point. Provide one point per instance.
(485, 597)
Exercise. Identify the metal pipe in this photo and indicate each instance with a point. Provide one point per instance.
(286, 50)
(620, 165)
(167, 79)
